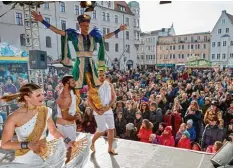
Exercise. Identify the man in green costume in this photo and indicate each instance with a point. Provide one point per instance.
(84, 70)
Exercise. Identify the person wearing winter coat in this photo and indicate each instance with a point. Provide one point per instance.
(138, 121)
(166, 138)
(89, 124)
(214, 148)
(120, 124)
(180, 132)
(155, 116)
(144, 108)
(191, 130)
(212, 133)
(145, 131)
(161, 128)
(184, 141)
(153, 139)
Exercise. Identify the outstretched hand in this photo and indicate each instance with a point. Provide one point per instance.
(37, 16)
(123, 27)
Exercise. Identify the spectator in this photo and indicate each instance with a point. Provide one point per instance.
(155, 116)
(145, 131)
(180, 132)
(144, 107)
(138, 121)
(120, 125)
(214, 148)
(191, 130)
(166, 138)
(184, 141)
(161, 128)
(130, 112)
(153, 139)
(89, 124)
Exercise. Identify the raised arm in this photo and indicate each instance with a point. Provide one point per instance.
(109, 35)
(38, 17)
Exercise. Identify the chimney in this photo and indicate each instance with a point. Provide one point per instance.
(224, 11)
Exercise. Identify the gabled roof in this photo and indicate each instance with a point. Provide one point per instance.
(230, 17)
(122, 4)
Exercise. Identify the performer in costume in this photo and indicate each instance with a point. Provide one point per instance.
(84, 69)
(108, 97)
(68, 111)
(31, 122)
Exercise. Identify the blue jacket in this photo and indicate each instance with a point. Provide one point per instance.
(192, 133)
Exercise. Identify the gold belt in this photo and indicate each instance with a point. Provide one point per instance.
(84, 54)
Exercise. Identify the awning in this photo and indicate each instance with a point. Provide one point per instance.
(9, 60)
(165, 65)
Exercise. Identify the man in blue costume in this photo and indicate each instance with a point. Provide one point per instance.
(84, 70)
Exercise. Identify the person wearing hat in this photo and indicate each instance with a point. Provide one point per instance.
(84, 42)
(214, 111)
(166, 138)
(191, 130)
(184, 141)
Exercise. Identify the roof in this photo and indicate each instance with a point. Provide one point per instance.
(230, 17)
(154, 32)
(225, 35)
(123, 4)
(187, 34)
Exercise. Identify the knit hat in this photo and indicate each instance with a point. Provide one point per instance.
(130, 126)
(190, 122)
(187, 134)
(168, 129)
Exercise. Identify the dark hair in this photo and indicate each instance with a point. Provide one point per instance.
(25, 90)
(148, 124)
(66, 79)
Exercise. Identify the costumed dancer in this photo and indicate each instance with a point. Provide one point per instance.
(31, 122)
(68, 113)
(84, 70)
(108, 97)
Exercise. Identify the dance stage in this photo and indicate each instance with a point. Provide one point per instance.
(137, 155)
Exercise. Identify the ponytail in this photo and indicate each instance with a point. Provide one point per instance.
(10, 97)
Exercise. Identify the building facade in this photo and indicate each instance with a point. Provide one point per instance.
(175, 51)
(107, 16)
(221, 51)
(146, 55)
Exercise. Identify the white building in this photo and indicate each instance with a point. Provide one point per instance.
(146, 54)
(108, 16)
(222, 41)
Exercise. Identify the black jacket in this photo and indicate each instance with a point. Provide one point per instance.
(156, 117)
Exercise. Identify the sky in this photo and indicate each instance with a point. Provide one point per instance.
(186, 16)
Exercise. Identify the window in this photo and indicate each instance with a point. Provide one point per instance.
(182, 56)
(47, 20)
(116, 35)
(198, 37)
(153, 56)
(128, 48)
(94, 15)
(116, 18)
(127, 35)
(195, 46)
(101, 2)
(205, 38)
(170, 47)
(185, 38)
(179, 47)
(48, 41)
(138, 23)
(204, 55)
(76, 10)
(218, 44)
(62, 6)
(109, 4)
(103, 16)
(174, 47)
(198, 46)
(224, 43)
(231, 43)
(231, 55)
(107, 30)
(106, 46)
(219, 31)
(116, 47)
(81, 11)
(134, 22)
(77, 26)
(22, 40)
(127, 21)
(213, 56)
(182, 47)
(46, 5)
(213, 44)
(122, 8)
(227, 30)
(192, 39)
(204, 46)
(192, 46)
(104, 31)
(188, 46)
(19, 20)
(223, 56)
(179, 56)
(223, 21)
(63, 24)
(108, 17)
(173, 56)
(218, 56)
(187, 55)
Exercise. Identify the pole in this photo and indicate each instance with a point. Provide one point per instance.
(123, 44)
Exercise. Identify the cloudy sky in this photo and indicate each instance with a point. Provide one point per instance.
(188, 17)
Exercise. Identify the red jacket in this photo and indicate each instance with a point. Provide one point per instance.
(210, 149)
(184, 143)
(166, 141)
(176, 124)
(144, 134)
